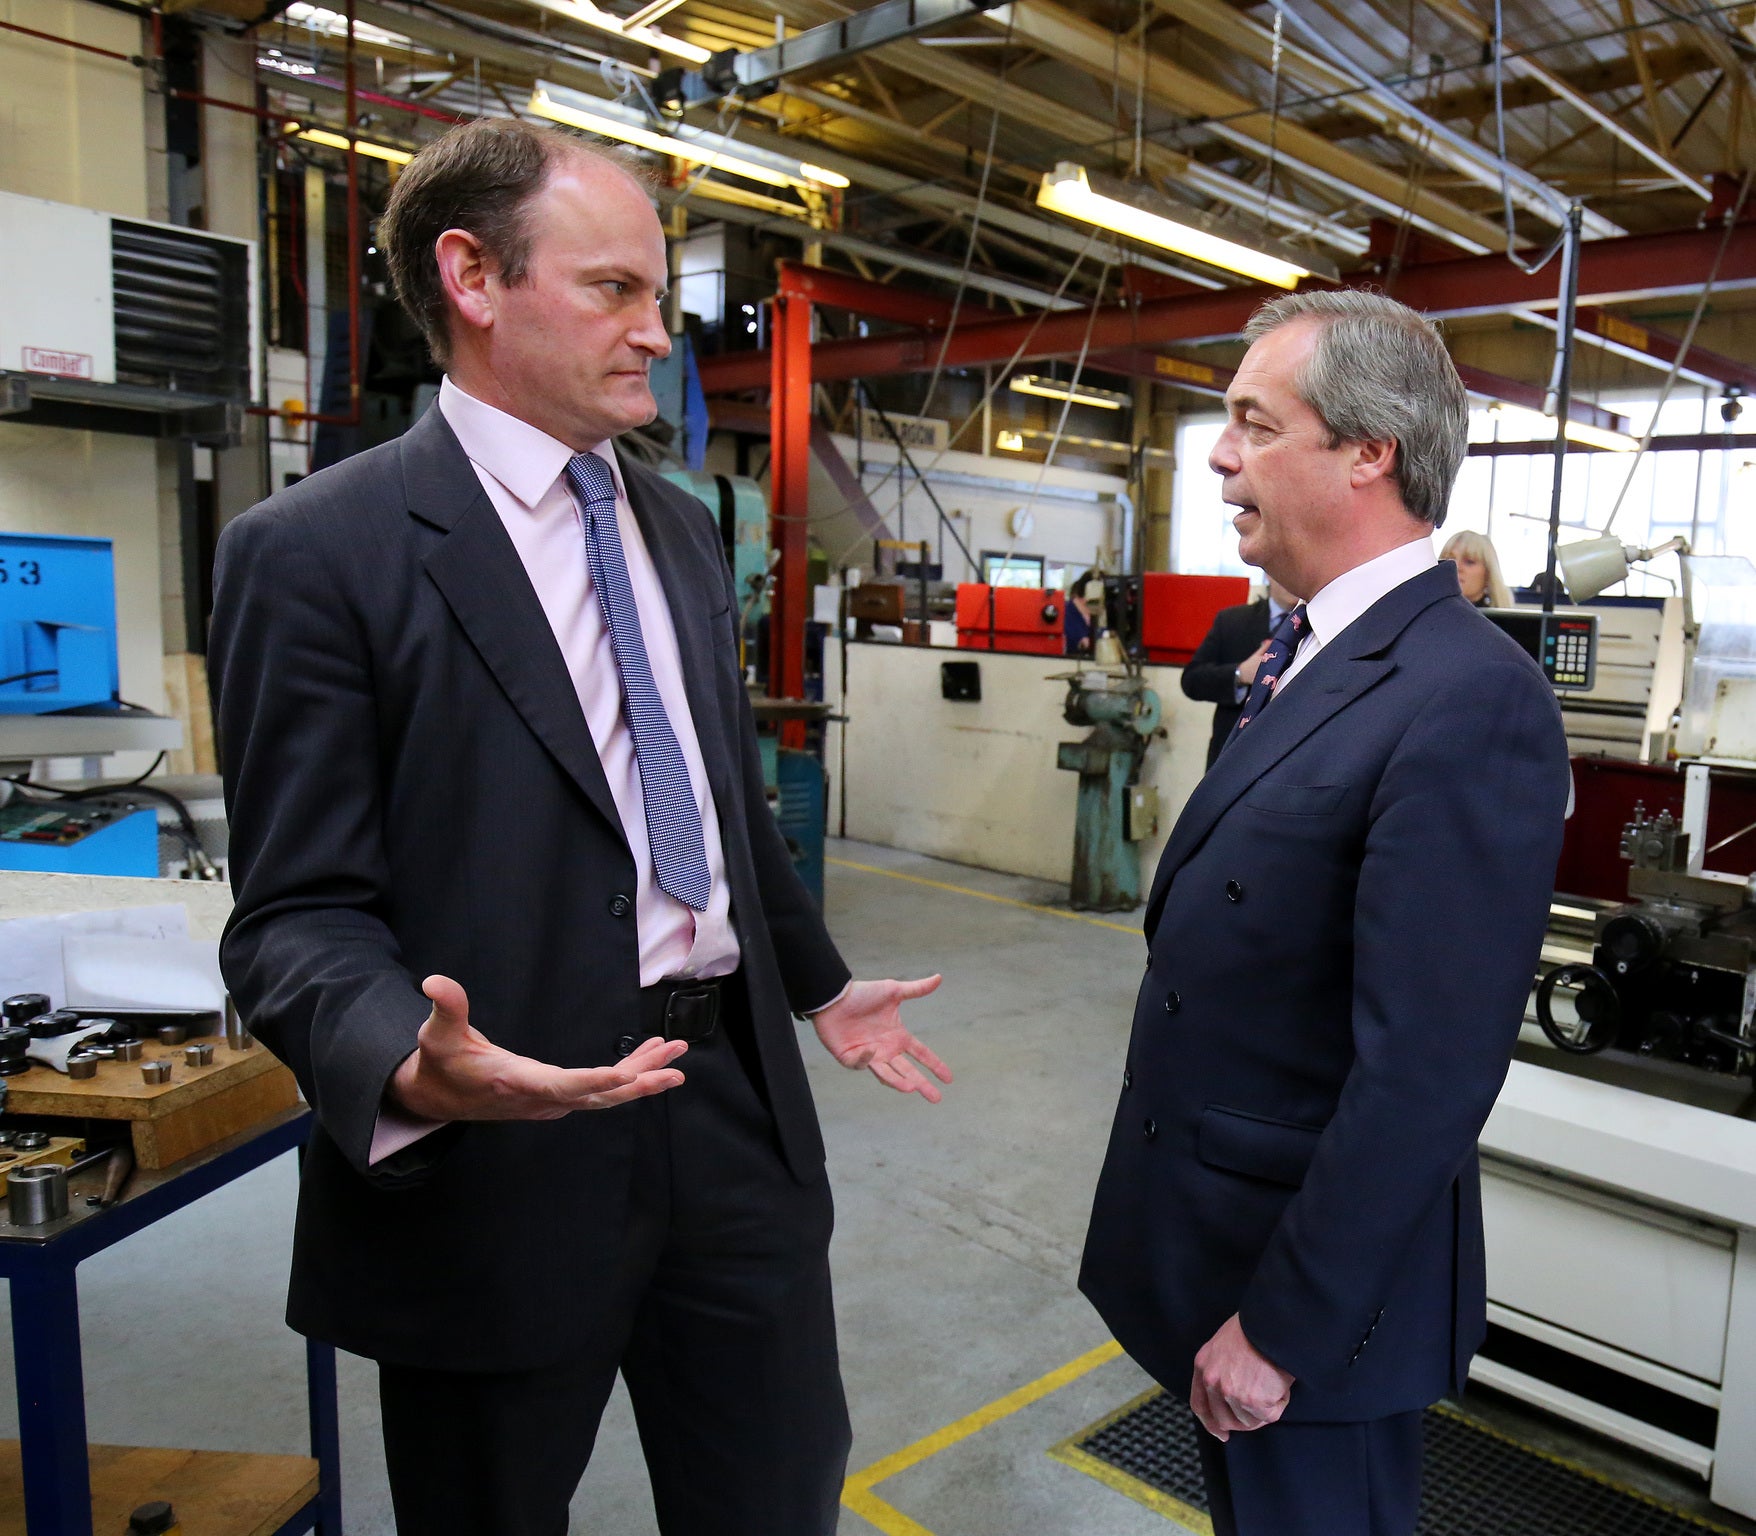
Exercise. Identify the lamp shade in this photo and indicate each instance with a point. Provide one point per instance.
(1592, 566)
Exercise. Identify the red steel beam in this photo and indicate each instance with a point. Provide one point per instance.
(1611, 271)
(789, 499)
(1630, 338)
(1478, 381)
(822, 285)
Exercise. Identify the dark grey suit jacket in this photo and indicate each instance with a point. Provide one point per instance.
(413, 788)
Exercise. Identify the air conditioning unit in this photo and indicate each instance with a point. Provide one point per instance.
(125, 313)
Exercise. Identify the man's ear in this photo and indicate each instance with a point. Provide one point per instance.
(464, 269)
(1371, 460)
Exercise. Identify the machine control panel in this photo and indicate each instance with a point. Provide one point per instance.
(1564, 645)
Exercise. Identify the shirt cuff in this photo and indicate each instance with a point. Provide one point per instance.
(811, 1013)
(396, 1130)
(1239, 692)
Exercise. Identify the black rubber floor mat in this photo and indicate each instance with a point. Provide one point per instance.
(1476, 1481)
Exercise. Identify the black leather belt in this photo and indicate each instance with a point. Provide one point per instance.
(681, 1010)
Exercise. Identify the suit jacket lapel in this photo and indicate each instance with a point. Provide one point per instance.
(693, 598)
(1340, 673)
(477, 570)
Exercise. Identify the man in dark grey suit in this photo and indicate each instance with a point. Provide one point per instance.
(1288, 1225)
(1224, 665)
(512, 904)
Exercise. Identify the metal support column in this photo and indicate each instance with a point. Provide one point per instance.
(51, 1400)
(789, 499)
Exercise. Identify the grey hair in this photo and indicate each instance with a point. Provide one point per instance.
(1380, 371)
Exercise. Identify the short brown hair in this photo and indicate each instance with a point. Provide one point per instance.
(478, 177)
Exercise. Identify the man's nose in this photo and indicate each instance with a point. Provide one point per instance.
(1223, 460)
(653, 335)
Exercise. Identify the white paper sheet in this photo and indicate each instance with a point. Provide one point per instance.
(110, 970)
(30, 947)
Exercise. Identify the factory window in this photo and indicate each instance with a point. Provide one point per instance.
(1709, 497)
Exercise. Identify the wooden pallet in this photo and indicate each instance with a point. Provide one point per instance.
(167, 1121)
(212, 1493)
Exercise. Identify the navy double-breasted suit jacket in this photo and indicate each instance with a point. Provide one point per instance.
(1343, 933)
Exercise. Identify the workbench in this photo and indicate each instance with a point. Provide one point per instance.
(51, 1482)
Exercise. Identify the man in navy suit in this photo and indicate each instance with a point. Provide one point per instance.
(1288, 1224)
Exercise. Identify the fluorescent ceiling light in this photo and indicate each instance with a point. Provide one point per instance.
(318, 18)
(612, 121)
(361, 146)
(587, 14)
(1012, 441)
(1143, 214)
(1079, 394)
(1536, 425)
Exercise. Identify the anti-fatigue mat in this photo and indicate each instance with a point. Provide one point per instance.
(1476, 1481)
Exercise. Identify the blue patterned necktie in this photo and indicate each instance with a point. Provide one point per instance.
(1283, 645)
(673, 820)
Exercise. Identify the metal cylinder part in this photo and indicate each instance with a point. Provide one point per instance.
(238, 1036)
(173, 1034)
(82, 1064)
(37, 1194)
(130, 1050)
(156, 1071)
(102, 1052)
(199, 1054)
(32, 1141)
(23, 1007)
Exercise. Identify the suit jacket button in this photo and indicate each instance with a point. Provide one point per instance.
(1234, 891)
(620, 905)
(1127, 1077)
(625, 1045)
(1172, 1002)
(1150, 1130)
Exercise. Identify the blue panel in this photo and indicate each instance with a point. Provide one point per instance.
(57, 623)
(127, 846)
(800, 815)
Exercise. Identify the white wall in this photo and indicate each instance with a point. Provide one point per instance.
(72, 129)
(1075, 510)
(977, 783)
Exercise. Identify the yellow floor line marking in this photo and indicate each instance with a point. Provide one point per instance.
(1186, 1515)
(1005, 901)
(857, 1492)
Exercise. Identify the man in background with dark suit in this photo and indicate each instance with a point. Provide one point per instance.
(1224, 665)
(1288, 1224)
(512, 904)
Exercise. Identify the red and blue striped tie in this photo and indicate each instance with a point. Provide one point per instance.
(673, 819)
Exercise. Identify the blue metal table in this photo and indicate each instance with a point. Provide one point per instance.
(40, 1263)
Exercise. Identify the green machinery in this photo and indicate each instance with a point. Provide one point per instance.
(740, 506)
(1115, 811)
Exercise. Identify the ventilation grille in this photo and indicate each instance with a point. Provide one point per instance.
(182, 314)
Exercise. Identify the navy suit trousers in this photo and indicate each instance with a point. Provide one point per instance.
(1298, 1479)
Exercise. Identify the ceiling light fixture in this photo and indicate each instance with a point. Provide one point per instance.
(611, 120)
(1143, 214)
(1079, 394)
(340, 141)
(587, 14)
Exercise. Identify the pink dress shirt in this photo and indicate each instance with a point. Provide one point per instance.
(521, 470)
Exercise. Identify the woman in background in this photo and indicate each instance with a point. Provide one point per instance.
(1478, 569)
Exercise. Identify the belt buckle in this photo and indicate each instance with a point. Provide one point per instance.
(691, 1014)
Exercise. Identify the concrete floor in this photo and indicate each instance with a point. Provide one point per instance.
(955, 1254)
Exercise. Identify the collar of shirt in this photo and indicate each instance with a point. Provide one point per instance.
(523, 458)
(1353, 592)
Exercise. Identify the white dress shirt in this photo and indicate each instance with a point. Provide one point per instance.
(1351, 594)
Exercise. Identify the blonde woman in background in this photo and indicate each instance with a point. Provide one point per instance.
(1478, 569)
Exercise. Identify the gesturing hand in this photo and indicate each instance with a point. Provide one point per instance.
(864, 1028)
(458, 1073)
(1252, 664)
(1236, 1388)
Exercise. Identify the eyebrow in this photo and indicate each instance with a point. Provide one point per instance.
(1243, 404)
